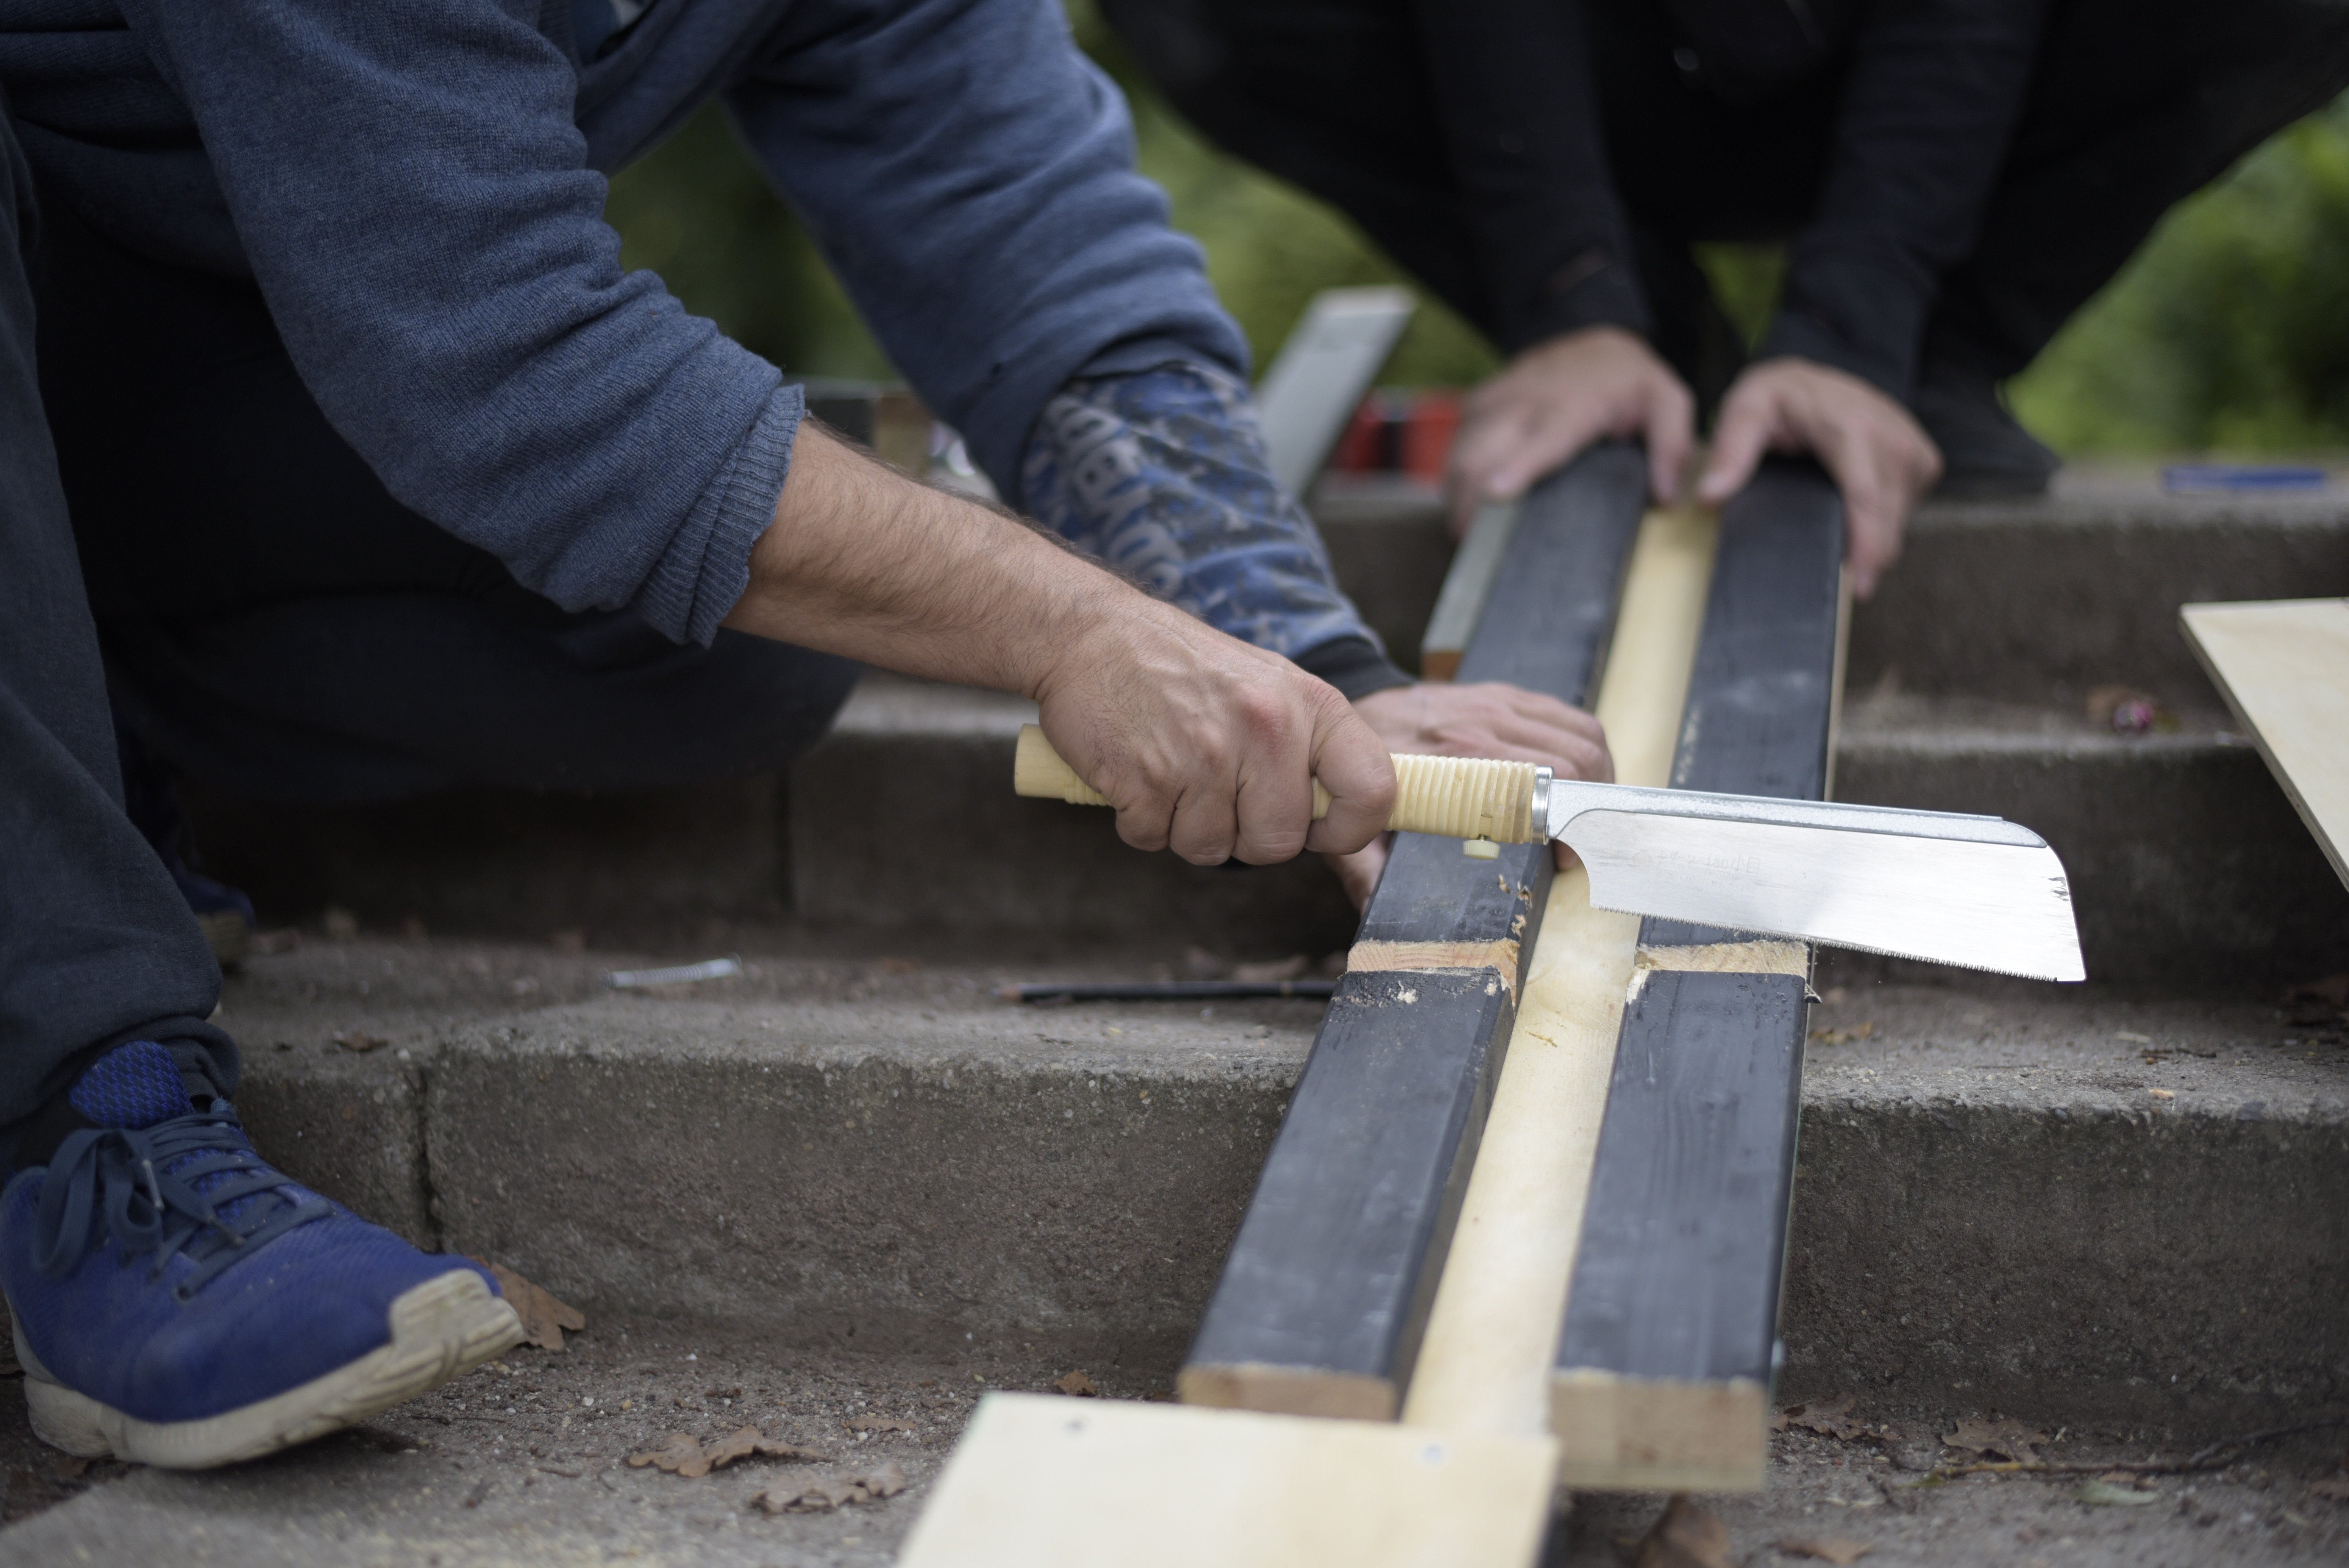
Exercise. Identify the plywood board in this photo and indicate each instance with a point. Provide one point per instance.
(1042, 1482)
(2283, 667)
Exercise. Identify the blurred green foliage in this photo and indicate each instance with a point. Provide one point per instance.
(2228, 333)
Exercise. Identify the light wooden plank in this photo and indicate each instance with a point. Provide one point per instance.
(1484, 1362)
(1042, 1482)
(2283, 667)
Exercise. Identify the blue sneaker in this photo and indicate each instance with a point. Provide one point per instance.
(178, 1303)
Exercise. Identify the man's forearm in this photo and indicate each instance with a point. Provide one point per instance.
(862, 562)
(1204, 744)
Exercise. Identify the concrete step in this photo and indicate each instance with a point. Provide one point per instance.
(2035, 601)
(2189, 868)
(1967, 677)
(870, 848)
(2075, 1203)
(2040, 601)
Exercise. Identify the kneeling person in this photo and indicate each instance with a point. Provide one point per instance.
(353, 465)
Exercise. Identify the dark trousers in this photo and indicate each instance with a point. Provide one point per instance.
(2132, 108)
(265, 616)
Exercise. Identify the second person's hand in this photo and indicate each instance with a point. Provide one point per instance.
(1556, 398)
(1881, 458)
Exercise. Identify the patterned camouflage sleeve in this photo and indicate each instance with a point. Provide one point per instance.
(1163, 475)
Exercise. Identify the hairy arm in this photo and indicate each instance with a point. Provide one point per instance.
(1204, 744)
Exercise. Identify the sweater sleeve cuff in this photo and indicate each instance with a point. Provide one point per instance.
(707, 565)
(1353, 664)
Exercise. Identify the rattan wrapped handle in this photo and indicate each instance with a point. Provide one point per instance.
(1451, 796)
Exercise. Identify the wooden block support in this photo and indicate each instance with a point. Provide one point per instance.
(1666, 1354)
(2283, 668)
(1042, 1482)
(1325, 1291)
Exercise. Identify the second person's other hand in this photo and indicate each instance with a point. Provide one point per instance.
(1557, 398)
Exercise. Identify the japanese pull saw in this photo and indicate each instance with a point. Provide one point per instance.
(1979, 892)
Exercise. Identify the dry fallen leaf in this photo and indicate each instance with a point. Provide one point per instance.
(2333, 1488)
(1828, 1418)
(1839, 1550)
(822, 1495)
(1684, 1536)
(2100, 1493)
(681, 1454)
(544, 1318)
(1076, 1383)
(2008, 1439)
(356, 1041)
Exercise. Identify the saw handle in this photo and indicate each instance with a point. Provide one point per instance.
(1449, 797)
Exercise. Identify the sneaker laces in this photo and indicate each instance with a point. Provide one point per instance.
(190, 1184)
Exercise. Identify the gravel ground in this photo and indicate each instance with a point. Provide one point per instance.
(526, 1462)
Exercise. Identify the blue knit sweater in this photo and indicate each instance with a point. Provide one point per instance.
(417, 186)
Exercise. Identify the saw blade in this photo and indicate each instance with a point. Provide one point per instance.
(1977, 891)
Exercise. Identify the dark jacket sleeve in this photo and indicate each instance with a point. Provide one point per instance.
(1512, 86)
(1931, 96)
